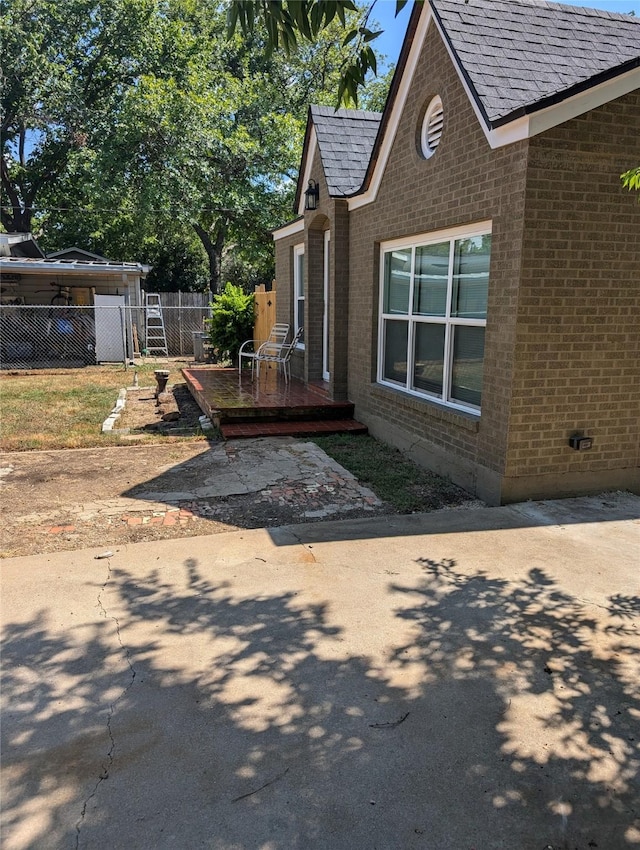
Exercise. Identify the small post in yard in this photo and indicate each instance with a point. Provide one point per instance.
(161, 376)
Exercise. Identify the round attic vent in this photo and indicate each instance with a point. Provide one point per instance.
(432, 127)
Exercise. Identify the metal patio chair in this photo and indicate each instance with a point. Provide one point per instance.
(281, 355)
(249, 349)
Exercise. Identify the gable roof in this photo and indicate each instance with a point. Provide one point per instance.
(521, 55)
(345, 140)
(527, 66)
(19, 245)
(76, 253)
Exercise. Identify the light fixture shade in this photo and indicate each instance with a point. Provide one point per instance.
(311, 196)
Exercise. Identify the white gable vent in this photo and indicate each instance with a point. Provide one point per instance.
(432, 127)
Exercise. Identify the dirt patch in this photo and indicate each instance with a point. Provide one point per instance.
(70, 499)
(170, 487)
(176, 413)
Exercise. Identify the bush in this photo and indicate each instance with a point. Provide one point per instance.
(231, 322)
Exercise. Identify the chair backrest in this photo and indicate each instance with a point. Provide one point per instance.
(279, 333)
(287, 350)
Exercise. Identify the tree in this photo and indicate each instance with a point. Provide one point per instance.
(65, 65)
(131, 123)
(288, 22)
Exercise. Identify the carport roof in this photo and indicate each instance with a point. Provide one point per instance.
(97, 268)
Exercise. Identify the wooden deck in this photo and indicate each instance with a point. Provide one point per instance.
(269, 407)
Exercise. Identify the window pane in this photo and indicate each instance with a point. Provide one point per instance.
(430, 284)
(466, 373)
(471, 277)
(300, 316)
(300, 280)
(397, 274)
(429, 358)
(395, 351)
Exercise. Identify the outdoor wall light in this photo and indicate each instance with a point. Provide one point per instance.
(580, 443)
(311, 196)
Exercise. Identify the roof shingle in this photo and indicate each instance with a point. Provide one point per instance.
(345, 139)
(517, 53)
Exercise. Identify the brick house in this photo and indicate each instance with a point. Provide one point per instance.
(470, 275)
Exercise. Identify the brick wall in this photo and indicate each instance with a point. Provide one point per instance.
(463, 183)
(577, 344)
(561, 345)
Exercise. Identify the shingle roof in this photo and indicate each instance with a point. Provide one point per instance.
(516, 53)
(345, 139)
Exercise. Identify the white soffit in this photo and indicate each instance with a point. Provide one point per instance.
(306, 175)
(288, 229)
(523, 127)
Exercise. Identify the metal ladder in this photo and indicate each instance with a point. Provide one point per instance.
(155, 333)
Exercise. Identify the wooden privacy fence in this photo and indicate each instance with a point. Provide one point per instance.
(265, 312)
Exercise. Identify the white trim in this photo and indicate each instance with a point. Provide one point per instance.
(326, 375)
(587, 100)
(290, 229)
(526, 126)
(298, 251)
(308, 163)
(398, 108)
(449, 322)
(520, 128)
(479, 228)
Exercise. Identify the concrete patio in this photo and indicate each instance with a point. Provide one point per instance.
(458, 680)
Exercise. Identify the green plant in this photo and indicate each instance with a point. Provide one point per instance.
(231, 322)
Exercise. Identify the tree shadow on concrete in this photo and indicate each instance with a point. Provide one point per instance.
(192, 712)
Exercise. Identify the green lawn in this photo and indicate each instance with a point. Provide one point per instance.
(393, 477)
(56, 409)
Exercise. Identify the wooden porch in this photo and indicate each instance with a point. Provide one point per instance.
(269, 407)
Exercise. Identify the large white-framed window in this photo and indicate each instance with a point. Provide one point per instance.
(298, 289)
(433, 313)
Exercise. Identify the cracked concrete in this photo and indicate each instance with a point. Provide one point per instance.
(455, 680)
(110, 754)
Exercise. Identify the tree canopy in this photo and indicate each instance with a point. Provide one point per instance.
(140, 129)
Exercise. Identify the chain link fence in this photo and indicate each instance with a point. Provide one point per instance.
(33, 337)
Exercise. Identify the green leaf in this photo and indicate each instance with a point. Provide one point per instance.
(349, 37)
(631, 179)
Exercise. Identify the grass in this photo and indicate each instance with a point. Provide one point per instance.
(60, 409)
(394, 478)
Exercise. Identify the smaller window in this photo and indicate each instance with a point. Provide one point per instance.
(432, 127)
(298, 289)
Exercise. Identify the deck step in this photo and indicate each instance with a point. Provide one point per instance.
(291, 428)
(273, 411)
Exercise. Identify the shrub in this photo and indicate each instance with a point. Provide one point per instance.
(231, 322)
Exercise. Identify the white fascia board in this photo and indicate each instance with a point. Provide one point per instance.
(308, 162)
(587, 100)
(478, 228)
(526, 126)
(66, 268)
(288, 229)
(523, 127)
(398, 108)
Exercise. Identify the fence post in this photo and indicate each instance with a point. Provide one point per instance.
(180, 328)
(265, 312)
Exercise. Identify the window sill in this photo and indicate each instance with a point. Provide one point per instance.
(429, 407)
